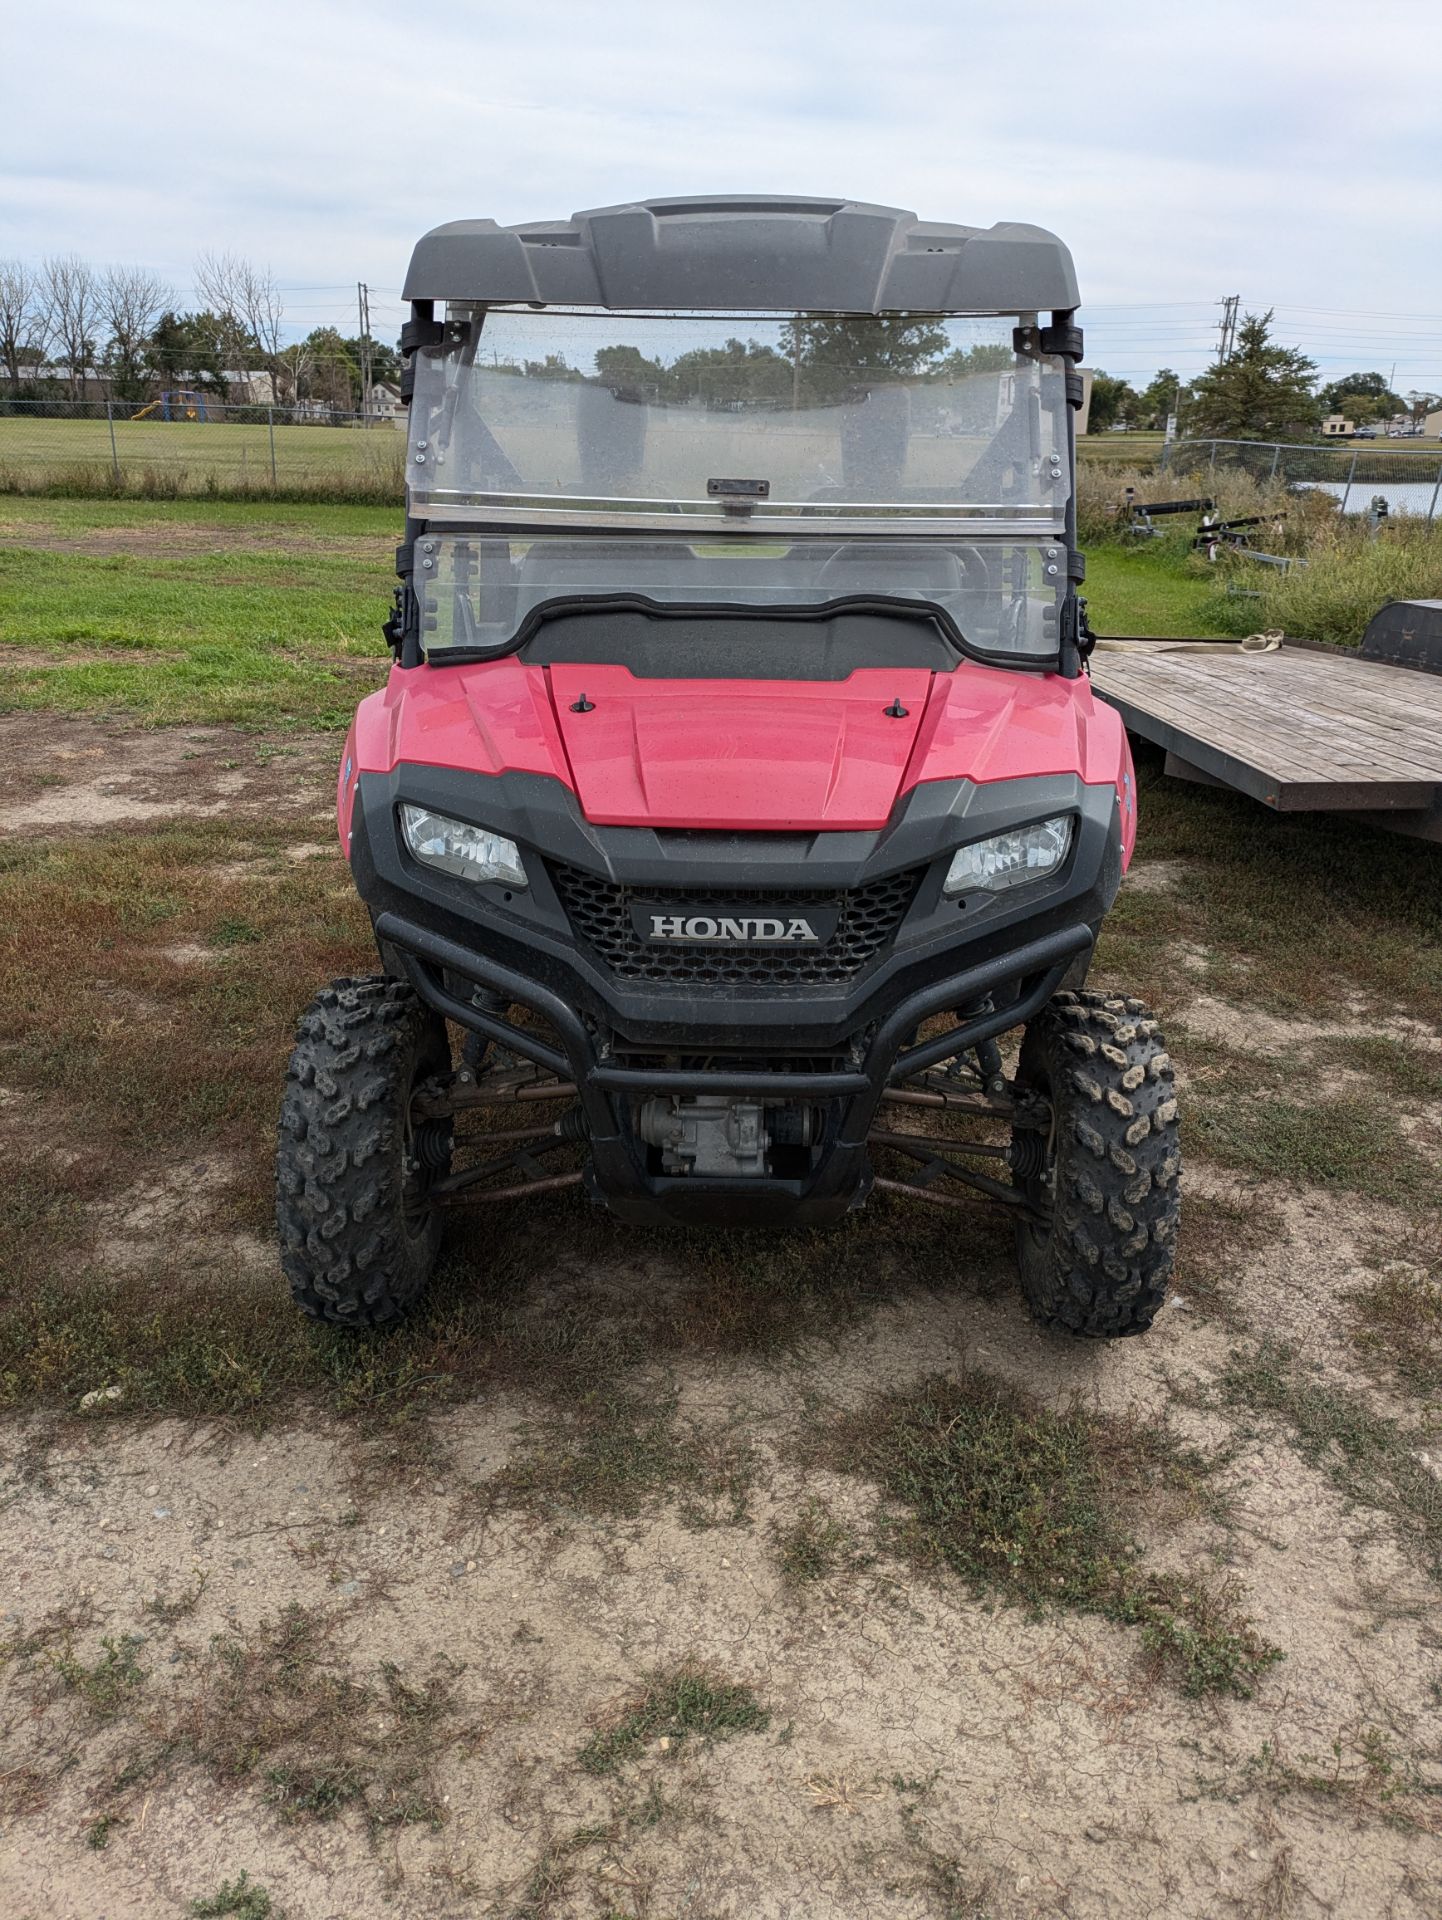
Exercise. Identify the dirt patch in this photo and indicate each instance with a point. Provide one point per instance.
(169, 1218)
(1241, 1026)
(583, 1481)
(915, 1736)
(23, 658)
(61, 775)
(1156, 876)
(169, 536)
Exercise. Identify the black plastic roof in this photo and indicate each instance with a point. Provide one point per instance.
(729, 252)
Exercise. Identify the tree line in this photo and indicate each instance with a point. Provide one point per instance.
(1261, 391)
(820, 358)
(124, 325)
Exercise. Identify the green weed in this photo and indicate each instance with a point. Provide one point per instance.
(1033, 1505)
(243, 1898)
(1368, 1457)
(1342, 1141)
(107, 1685)
(687, 1703)
(1397, 1323)
(814, 1546)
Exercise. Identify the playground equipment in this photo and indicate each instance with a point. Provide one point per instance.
(182, 403)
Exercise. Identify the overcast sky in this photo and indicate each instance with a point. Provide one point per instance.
(1291, 153)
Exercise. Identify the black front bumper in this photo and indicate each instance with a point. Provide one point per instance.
(470, 951)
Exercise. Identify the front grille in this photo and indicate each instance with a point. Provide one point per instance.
(600, 914)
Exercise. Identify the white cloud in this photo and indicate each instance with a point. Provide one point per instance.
(1288, 154)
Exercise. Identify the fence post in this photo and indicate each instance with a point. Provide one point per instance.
(114, 456)
(1212, 463)
(1432, 504)
(270, 424)
(1276, 456)
(1347, 491)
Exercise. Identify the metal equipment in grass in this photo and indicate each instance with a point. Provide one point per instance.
(1219, 533)
(1138, 516)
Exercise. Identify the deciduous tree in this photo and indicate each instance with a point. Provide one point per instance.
(71, 296)
(831, 352)
(22, 320)
(1163, 394)
(132, 301)
(247, 302)
(1362, 396)
(190, 348)
(1113, 402)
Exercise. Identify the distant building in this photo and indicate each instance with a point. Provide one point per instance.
(251, 389)
(385, 401)
(1432, 425)
(1083, 415)
(241, 389)
(1336, 426)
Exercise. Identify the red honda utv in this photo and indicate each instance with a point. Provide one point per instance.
(738, 784)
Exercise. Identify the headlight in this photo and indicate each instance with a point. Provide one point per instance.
(1008, 859)
(475, 853)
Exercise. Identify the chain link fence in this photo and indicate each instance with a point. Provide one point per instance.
(1408, 478)
(190, 443)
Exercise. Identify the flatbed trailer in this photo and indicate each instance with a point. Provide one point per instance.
(1303, 728)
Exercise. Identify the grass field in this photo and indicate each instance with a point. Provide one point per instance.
(642, 1573)
(269, 614)
(180, 457)
(167, 457)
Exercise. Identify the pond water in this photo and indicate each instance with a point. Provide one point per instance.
(1402, 496)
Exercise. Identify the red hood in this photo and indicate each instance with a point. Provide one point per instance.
(740, 754)
(746, 754)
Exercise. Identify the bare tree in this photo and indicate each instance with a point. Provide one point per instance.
(72, 306)
(22, 319)
(292, 366)
(245, 299)
(131, 302)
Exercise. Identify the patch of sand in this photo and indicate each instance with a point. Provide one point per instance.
(60, 774)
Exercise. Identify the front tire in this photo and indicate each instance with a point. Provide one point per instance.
(358, 1232)
(1108, 1175)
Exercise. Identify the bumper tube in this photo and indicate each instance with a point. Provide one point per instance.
(841, 1181)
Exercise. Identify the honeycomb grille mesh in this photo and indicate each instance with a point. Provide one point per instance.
(599, 911)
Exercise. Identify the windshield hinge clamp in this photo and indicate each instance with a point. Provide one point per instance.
(1062, 338)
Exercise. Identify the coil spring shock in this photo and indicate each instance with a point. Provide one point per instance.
(1028, 1154)
(431, 1145)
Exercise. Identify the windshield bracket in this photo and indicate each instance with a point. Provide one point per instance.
(738, 497)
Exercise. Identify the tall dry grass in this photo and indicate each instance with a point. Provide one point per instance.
(380, 481)
(1349, 576)
(1296, 517)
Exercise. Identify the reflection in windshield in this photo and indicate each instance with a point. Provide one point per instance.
(810, 410)
(477, 593)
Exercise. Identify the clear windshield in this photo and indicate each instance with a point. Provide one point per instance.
(766, 416)
(1001, 596)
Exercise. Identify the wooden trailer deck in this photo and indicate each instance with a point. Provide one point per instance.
(1303, 728)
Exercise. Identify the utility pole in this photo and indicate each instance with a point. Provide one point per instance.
(363, 313)
(1228, 327)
